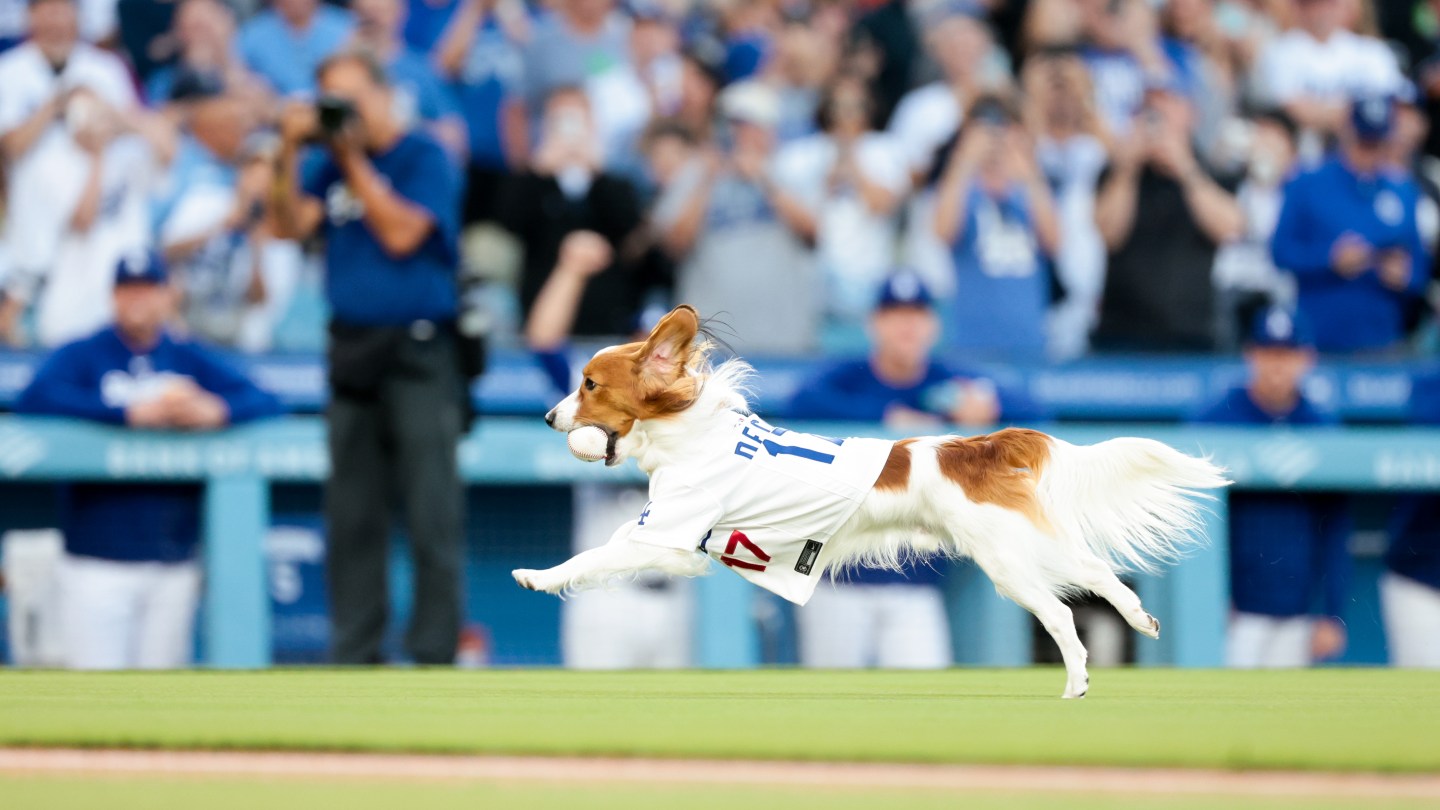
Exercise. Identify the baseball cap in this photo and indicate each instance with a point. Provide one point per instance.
(1373, 117)
(903, 288)
(144, 267)
(1281, 328)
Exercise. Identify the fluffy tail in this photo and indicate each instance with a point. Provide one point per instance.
(1134, 502)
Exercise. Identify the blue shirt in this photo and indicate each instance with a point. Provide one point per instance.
(851, 391)
(1415, 520)
(365, 285)
(1287, 549)
(96, 378)
(420, 95)
(1320, 205)
(1001, 287)
(287, 58)
(493, 70)
(426, 21)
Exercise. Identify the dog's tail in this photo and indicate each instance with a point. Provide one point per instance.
(1134, 502)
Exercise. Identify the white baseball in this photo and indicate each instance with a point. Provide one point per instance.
(588, 443)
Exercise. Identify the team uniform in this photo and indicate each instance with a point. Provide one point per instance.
(1410, 586)
(762, 501)
(130, 580)
(1284, 548)
(1361, 313)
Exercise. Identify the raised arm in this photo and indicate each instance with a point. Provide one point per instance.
(297, 215)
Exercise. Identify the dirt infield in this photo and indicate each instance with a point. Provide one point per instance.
(666, 771)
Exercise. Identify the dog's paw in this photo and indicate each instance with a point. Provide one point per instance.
(1154, 630)
(536, 580)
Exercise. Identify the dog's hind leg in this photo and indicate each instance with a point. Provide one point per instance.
(1098, 577)
(1018, 578)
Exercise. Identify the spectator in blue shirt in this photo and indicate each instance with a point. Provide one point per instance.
(878, 617)
(421, 99)
(130, 581)
(1348, 232)
(994, 209)
(1288, 553)
(387, 202)
(1410, 586)
(204, 31)
(286, 42)
(481, 55)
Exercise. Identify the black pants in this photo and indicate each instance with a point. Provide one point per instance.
(398, 439)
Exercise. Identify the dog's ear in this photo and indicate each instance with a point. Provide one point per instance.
(665, 353)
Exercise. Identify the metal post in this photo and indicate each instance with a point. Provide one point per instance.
(237, 593)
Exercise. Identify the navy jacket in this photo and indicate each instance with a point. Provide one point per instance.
(1349, 314)
(1287, 549)
(1415, 522)
(96, 378)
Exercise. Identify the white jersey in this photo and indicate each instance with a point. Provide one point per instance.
(1296, 65)
(763, 501)
(46, 182)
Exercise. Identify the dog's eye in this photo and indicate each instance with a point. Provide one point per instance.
(589, 384)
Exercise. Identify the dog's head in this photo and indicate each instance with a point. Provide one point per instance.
(624, 384)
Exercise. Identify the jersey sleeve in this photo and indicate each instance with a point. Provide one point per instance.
(678, 518)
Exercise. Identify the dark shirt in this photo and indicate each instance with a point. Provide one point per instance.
(1287, 549)
(541, 216)
(1415, 521)
(1158, 293)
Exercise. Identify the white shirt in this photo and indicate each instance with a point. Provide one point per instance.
(44, 183)
(855, 246)
(763, 501)
(924, 120)
(1296, 65)
(75, 299)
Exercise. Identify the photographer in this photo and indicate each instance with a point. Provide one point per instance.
(388, 204)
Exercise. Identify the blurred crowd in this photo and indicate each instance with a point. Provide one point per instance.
(1066, 176)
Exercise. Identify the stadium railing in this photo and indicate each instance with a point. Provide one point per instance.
(1114, 388)
(237, 466)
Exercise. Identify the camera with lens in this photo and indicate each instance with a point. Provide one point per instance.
(333, 114)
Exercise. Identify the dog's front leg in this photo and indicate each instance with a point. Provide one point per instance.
(618, 558)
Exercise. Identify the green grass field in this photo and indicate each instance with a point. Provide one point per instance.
(1375, 720)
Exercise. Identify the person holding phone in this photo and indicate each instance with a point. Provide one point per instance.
(387, 201)
(235, 277)
(994, 209)
(568, 188)
(1162, 216)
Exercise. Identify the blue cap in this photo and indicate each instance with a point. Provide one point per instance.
(1373, 117)
(904, 288)
(1279, 327)
(143, 267)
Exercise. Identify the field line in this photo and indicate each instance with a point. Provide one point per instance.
(1027, 778)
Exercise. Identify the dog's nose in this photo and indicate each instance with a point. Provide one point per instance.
(550, 418)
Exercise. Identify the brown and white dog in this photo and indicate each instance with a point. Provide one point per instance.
(1043, 518)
